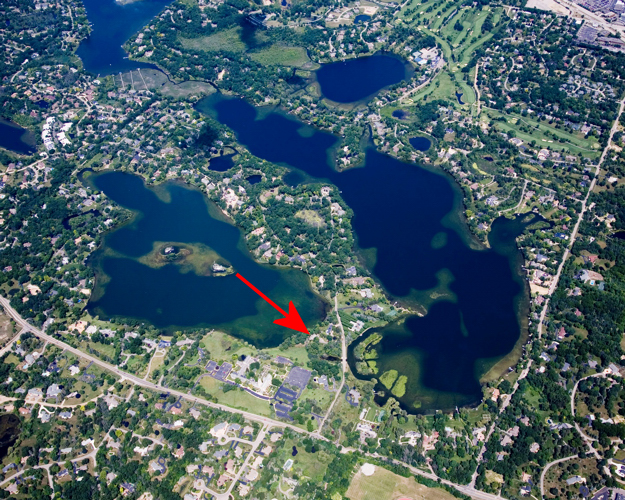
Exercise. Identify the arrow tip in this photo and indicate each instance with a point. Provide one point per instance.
(293, 320)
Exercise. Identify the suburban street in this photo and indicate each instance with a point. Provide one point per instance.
(268, 423)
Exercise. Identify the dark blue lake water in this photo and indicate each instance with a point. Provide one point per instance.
(173, 296)
(221, 163)
(112, 26)
(359, 79)
(420, 143)
(411, 235)
(17, 139)
(362, 18)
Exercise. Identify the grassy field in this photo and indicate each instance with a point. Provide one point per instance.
(227, 40)
(575, 143)
(282, 56)
(136, 365)
(106, 350)
(384, 485)
(157, 362)
(442, 88)
(236, 398)
(321, 396)
(312, 465)
(458, 47)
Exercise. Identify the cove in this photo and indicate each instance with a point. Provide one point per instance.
(358, 79)
(411, 235)
(112, 24)
(174, 296)
(16, 139)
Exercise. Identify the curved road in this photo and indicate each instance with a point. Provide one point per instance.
(547, 467)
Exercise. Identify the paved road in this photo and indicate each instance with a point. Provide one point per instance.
(267, 422)
(343, 366)
(505, 404)
(467, 490)
(8, 347)
(547, 467)
(139, 381)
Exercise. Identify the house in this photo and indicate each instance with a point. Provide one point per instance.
(65, 415)
(590, 277)
(156, 467)
(506, 441)
(575, 480)
(179, 453)
(127, 489)
(53, 391)
(35, 392)
(614, 370)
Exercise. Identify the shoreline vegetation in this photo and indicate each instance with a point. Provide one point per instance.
(190, 257)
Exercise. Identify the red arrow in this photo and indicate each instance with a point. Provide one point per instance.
(291, 320)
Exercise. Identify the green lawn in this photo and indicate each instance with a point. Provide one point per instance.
(460, 45)
(281, 56)
(106, 350)
(227, 40)
(236, 398)
(312, 465)
(575, 143)
(298, 354)
(442, 88)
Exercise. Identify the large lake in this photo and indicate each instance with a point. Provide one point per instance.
(112, 25)
(410, 232)
(17, 139)
(361, 78)
(407, 220)
(172, 295)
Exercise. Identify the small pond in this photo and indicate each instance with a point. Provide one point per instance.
(400, 114)
(254, 179)
(420, 143)
(459, 97)
(362, 18)
(221, 163)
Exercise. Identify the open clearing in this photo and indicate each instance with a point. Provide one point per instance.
(311, 218)
(525, 129)
(227, 40)
(282, 56)
(384, 485)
